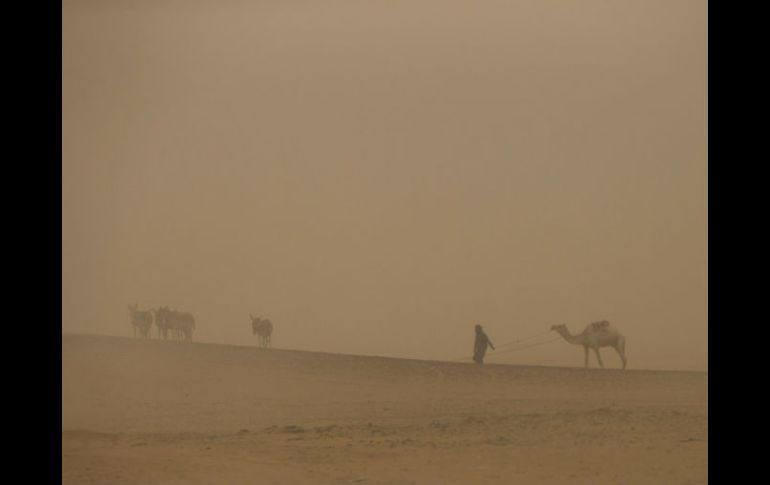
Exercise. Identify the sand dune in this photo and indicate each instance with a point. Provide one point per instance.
(165, 412)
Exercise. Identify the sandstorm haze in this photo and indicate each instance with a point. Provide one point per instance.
(377, 177)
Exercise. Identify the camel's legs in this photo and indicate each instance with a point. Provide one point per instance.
(585, 349)
(621, 353)
(599, 357)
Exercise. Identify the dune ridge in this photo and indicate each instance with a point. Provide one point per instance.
(138, 411)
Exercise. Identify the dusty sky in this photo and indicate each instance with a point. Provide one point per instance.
(377, 177)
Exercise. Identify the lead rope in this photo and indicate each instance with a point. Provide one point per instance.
(512, 342)
(511, 349)
(515, 349)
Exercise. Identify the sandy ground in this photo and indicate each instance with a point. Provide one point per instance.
(172, 413)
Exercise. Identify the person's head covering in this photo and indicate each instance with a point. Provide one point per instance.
(478, 328)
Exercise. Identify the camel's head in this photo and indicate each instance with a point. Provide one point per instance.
(558, 326)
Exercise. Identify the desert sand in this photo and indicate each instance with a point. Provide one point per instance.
(155, 412)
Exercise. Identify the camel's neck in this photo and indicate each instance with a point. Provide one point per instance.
(573, 339)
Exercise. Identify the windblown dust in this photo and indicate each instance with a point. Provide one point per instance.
(166, 412)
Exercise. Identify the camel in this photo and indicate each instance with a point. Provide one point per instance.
(596, 335)
(141, 320)
(264, 328)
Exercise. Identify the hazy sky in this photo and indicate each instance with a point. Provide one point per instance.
(377, 177)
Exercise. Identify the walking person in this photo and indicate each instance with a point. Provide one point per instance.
(480, 345)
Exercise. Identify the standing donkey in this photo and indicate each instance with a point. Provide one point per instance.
(263, 328)
(140, 320)
(181, 324)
